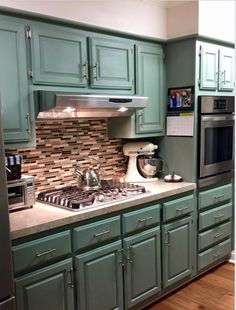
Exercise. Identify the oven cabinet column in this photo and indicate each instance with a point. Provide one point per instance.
(215, 209)
(178, 240)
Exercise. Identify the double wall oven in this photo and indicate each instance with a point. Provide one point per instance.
(215, 139)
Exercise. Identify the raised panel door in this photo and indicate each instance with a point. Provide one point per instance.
(14, 94)
(47, 288)
(226, 69)
(99, 278)
(177, 251)
(111, 64)
(59, 56)
(143, 266)
(149, 66)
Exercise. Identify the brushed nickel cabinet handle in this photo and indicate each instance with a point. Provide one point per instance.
(167, 238)
(96, 66)
(45, 252)
(71, 274)
(105, 232)
(129, 255)
(217, 197)
(145, 219)
(182, 209)
(218, 216)
(218, 235)
(86, 71)
(121, 255)
(28, 123)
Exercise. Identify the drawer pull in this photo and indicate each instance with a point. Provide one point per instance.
(182, 209)
(218, 235)
(217, 255)
(145, 219)
(105, 232)
(219, 196)
(45, 252)
(218, 216)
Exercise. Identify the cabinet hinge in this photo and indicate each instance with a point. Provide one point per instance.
(200, 51)
(28, 33)
(30, 74)
(199, 82)
(163, 56)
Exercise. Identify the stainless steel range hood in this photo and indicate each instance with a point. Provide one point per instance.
(54, 105)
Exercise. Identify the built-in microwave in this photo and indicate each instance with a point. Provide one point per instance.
(21, 193)
(216, 139)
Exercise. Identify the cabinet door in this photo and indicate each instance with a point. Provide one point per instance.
(111, 64)
(177, 251)
(149, 74)
(59, 56)
(99, 278)
(143, 270)
(47, 288)
(208, 67)
(14, 83)
(226, 69)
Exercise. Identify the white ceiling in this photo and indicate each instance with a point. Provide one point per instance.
(168, 4)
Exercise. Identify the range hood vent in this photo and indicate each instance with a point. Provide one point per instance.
(55, 105)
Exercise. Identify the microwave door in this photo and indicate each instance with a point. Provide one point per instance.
(16, 196)
(216, 144)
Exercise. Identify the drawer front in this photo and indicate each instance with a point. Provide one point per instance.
(41, 251)
(215, 216)
(140, 219)
(95, 233)
(214, 254)
(214, 235)
(178, 207)
(215, 195)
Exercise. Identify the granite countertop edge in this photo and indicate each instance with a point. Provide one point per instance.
(43, 217)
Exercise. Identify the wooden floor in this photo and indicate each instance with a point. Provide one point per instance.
(213, 291)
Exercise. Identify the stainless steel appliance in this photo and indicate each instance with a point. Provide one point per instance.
(74, 198)
(216, 137)
(50, 105)
(7, 299)
(21, 193)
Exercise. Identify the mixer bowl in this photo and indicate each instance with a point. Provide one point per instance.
(149, 167)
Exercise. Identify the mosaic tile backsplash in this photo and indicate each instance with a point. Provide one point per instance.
(63, 145)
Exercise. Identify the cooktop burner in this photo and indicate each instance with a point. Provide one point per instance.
(74, 198)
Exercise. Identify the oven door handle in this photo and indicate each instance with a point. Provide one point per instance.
(207, 118)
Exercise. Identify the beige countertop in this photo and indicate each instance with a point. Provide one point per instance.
(43, 217)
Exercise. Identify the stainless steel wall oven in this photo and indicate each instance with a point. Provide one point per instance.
(215, 139)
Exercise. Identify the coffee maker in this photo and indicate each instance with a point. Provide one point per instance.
(142, 166)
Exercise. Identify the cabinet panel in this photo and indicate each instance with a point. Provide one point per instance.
(149, 82)
(143, 270)
(59, 56)
(99, 278)
(41, 251)
(14, 83)
(226, 69)
(215, 216)
(177, 243)
(178, 207)
(97, 232)
(46, 288)
(140, 219)
(111, 63)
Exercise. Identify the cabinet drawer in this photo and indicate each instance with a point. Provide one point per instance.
(215, 216)
(95, 233)
(41, 251)
(178, 207)
(215, 195)
(213, 254)
(214, 235)
(140, 219)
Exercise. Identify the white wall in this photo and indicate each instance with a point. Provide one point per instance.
(140, 17)
(217, 19)
(182, 20)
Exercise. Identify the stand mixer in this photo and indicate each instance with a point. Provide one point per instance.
(142, 167)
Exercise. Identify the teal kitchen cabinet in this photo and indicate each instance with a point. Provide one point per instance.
(47, 288)
(177, 250)
(215, 211)
(216, 67)
(142, 275)
(71, 57)
(149, 74)
(99, 278)
(18, 125)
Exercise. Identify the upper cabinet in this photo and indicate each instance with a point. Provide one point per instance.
(70, 57)
(216, 67)
(18, 125)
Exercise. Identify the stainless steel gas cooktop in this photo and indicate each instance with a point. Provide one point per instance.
(74, 198)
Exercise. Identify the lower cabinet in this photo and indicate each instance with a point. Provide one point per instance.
(177, 243)
(99, 278)
(142, 276)
(47, 288)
